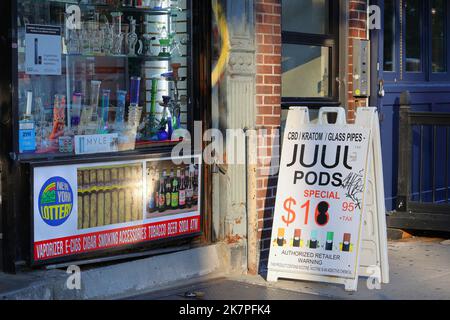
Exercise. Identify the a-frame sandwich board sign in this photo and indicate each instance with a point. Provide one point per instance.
(329, 222)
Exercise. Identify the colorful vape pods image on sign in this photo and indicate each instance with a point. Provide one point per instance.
(313, 242)
(329, 243)
(346, 246)
(280, 240)
(297, 242)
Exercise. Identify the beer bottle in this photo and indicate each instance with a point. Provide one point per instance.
(162, 192)
(155, 195)
(182, 193)
(169, 190)
(189, 188)
(195, 184)
(175, 191)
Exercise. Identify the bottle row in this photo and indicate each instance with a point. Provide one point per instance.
(175, 191)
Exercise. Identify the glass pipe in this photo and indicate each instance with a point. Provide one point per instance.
(132, 38)
(76, 109)
(95, 94)
(120, 110)
(117, 32)
(106, 94)
(59, 116)
(135, 90)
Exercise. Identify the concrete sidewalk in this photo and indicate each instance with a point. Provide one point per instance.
(419, 269)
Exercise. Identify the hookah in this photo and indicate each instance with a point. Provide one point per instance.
(151, 123)
(165, 41)
(165, 125)
(174, 104)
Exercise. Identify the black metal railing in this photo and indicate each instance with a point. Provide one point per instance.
(424, 155)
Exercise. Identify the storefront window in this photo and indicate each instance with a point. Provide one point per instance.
(413, 36)
(438, 10)
(310, 52)
(305, 62)
(313, 14)
(101, 76)
(389, 35)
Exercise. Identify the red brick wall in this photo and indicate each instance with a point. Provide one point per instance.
(357, 30)
(268, 101)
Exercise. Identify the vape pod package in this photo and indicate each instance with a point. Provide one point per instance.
(313, 242)
(280, 241)
(329, 242)
(346, 246)
(296, 243)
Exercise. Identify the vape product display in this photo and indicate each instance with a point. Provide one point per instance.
(27, 131)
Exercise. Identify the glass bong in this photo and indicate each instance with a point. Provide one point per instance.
(133, 39)
(165, 42)
(117, 33)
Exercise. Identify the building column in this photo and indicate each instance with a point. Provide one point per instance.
(236, 110)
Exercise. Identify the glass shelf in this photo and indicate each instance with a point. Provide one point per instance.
(126, 9)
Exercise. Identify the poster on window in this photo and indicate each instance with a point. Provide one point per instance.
(43, 49)
(320, 201)
(86, 208)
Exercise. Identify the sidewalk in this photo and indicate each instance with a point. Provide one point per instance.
(419, 269)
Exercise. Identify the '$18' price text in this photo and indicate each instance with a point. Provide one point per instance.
(321, 212)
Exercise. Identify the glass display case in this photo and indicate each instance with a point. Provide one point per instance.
(101, 76)
(98, 94)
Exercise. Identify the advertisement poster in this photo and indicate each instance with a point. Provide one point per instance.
(43, 50)
(320, 196)
(86, 208)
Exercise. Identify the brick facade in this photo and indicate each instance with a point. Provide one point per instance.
(357, 30)
(268, 102)
(268, 99)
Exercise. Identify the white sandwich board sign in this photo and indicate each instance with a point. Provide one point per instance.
(329, 222)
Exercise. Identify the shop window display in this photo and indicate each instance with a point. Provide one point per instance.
(101, 76)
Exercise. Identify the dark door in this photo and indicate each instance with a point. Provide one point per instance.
(411, 53)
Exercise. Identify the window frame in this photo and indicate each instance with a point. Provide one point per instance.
(329, 40)
(400, 74)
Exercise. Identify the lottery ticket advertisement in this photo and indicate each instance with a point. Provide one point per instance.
(86, 208)
(320, 197)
